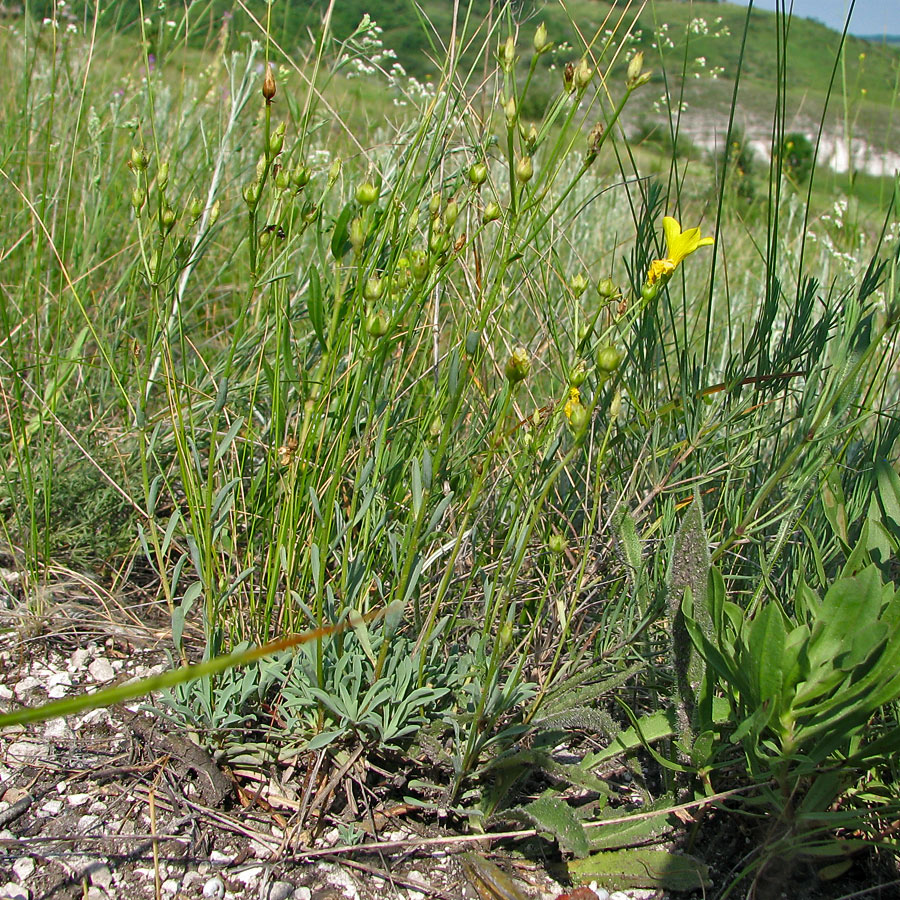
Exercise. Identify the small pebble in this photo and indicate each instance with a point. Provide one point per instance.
(171, 886)
(101, 876)
(280, 890)
(24, 686)
(78, 799)
(214, 888)
(13, 891)
(101, 670)
(51, 808)
(248, 877)
(302, 893)
(58, 729)
(79, 659)
(23, 868)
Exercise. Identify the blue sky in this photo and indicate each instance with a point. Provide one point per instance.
(869, 16)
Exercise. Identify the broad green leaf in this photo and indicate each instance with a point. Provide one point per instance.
(642, 868)
(551, 814)
(764, 653)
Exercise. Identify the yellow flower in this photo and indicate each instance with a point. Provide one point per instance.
(660, 268)
(573, 402)
(679, 244)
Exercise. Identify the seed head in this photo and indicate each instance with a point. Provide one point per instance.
(268, 88)
(366, 194)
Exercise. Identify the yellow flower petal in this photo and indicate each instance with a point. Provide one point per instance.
(680, 244)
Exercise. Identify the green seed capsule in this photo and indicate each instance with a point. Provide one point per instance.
(491, 212)
(557, 543)
(609, 359)
(478, 174)
(366, 194)
(377, 324)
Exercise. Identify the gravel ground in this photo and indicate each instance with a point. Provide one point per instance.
(117, 803)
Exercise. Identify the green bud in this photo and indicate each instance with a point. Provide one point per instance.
(282, 180)
(366, 194)
(251, 193)
(153, 263)
(578, 373)
(606, 288)
(518, 366)
(582, 75)
(434, 204)
(310, 213)
(167, 219)
(524, 169)
(265, 238)
(609, 359)
(508, 53)
(510, 111)
(438, 242)
(531, 137)
(162, 177)
(478, 173)
(195, 209)
(137, 199)
(491, 212)
(473, 343)
(650, 292)
(615, 405)
(374, 288)
(420, 265)
(300, 177)
(635, 64)
(557, 543)
(357, 234)
(334, 172)
(578, 418)
(377, 324)
(261, 164)
(451, 213)
(436, 428)
(276, 140)
(505, 635)
(540, 42)
(214, 213)
(578, 284)
(139, 159)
